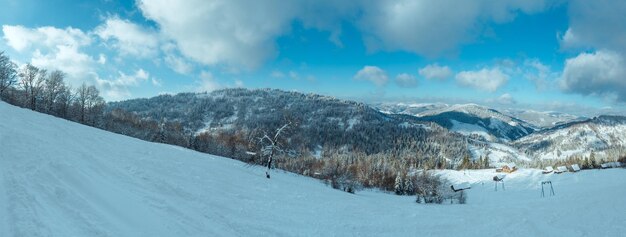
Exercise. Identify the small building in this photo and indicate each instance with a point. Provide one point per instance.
(548, 170)
(560, 169)
(575, 168)
(508, 168)
(607, 165)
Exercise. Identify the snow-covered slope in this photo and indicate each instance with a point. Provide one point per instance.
(599, 135)
(542, 119)
(414, 109)
(58, 178)
(498, 153)
(475, 119)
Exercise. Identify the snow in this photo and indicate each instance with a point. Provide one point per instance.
(467, 129)
(499, 154)
(58, 178)
(317, 153)
(352, 122)
(579, 139)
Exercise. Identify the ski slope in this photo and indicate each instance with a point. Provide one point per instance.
(59, 178)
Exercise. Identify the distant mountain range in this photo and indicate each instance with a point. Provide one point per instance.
(523, 135)
(603, 135)
(437, 129)
(542, 119)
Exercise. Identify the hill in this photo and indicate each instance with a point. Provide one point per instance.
(319, 124)
(603, 135)
(467, 119)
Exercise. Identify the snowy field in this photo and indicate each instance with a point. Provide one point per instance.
(58, 178)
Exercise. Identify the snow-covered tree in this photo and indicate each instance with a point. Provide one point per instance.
(32, 81)
(89, 104)
(8, 73)
(399, 187)
(409, 187)
(465, 163)
(485, 164)
(271, 146)
(52, 90)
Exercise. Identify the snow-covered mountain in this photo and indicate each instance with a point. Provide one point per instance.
(408, 108)
(318, 121)
(59, 178)
(603, 135)
(542, 119)
(468, 119)
(522, 135)
(498, 153)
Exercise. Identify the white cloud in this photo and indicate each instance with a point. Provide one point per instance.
(54, 49)
(277, 74)
(540, 74)
(597, 28)
(418, 26)
(373, 74)
(506, 99)
(21, 38)
(294, 75)
(129, 38)
(599, 73)
(434, 71)
(156, 82)
(118, 88)
(174, 61)
(239, 83)
(240, 32)
(74, 63)
(178, 64)
(406, 80)
(596, 24)
(207, 82)
(569, 40)
(102, 59)
(63, 49)
(484, 79)
(222, 31)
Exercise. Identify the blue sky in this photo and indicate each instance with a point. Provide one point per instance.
(546, 55)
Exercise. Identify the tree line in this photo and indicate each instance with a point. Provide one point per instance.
(47, 92)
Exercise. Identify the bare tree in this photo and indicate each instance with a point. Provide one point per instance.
(271, 146)
(52, 90)
(95, 104)
(65, 99)
(32, 82)
(8, 73)
(89, 103)
(80, 101)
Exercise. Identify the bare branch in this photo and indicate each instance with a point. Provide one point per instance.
(280, 130)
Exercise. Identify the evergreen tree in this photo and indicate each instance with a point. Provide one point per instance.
(593, 163)
(398, 186)
(409, 188)
(586, 163)
(485, 163)
(466, 163)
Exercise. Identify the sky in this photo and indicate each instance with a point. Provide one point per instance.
(564, 56)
